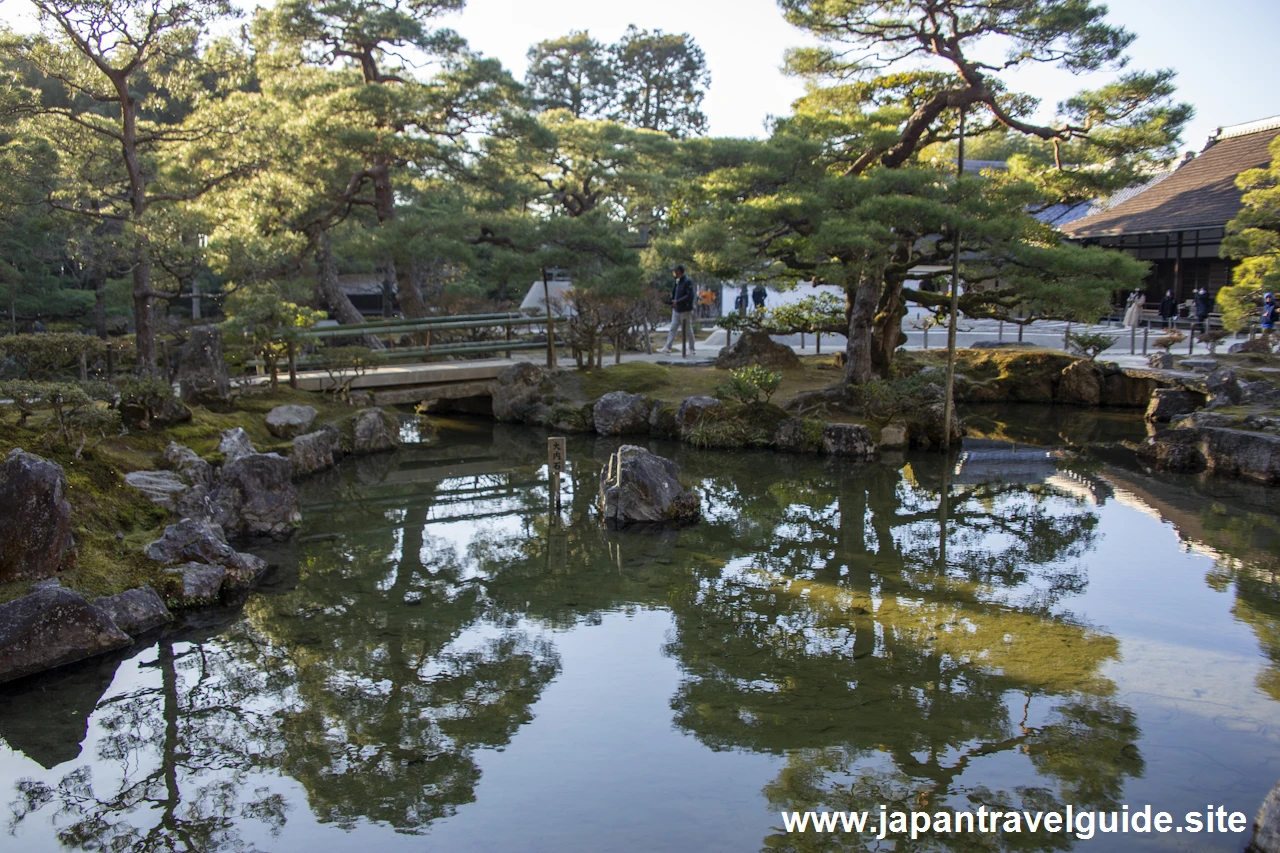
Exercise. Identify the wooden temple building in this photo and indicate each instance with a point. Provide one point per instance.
(1177, 223)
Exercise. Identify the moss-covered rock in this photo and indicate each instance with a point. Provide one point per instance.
(570, 418)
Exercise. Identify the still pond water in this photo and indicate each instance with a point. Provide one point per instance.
(434, 666)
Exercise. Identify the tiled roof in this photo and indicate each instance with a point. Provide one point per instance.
(1200, 194)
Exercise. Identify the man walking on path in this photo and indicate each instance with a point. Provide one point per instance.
(1270, 316)
(682, 295)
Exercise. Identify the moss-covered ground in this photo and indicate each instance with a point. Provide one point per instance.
(673, 383)
(112, 522)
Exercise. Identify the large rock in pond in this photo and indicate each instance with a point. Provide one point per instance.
(851, 440)
(202, 372)
(235, 443)
(639, 488)
(52, 626)
(1160, 361)
(620, 413)
(516, 391)
(202, 542)
(290, 421)
(374, 431)
(135, 611)
(757, 348)
(1169, 403)
(1081, 384)
(695, 410)
(35, 518)
(316, 451)
(257, 497)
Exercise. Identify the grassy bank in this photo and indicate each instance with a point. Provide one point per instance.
(112, 522)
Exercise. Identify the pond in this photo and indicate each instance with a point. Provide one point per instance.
(435, 664)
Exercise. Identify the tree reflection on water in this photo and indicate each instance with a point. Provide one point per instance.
(897, 637)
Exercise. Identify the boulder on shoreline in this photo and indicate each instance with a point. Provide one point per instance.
(640, 488)
(256, 497)
(191, 540)
(374, 431)
(695, 410)
(620, 413)
(516, 391)
(35, 524)
(51, 626)
(135, 611)
(1241, 453)
(316, 451)
(1169, 403)
(850, 440)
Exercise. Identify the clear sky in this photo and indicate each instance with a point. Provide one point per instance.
(1225, 51)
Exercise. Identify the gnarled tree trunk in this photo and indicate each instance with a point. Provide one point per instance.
(861, 298)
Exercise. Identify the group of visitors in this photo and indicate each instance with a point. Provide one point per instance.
(1199, 307)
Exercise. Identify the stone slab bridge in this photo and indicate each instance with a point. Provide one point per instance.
(410, 384)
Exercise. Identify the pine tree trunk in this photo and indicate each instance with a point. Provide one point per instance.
(860, 301)
(887, 333)
(144, 314)
(340, 307)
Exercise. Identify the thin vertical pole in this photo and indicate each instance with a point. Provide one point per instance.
(551, 330)
(293, 366)
(949, 408)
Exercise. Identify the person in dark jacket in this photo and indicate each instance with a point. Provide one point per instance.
(1204, 307)
(758, 294)
(1270, 316)
(682, 296)
(1168, 308)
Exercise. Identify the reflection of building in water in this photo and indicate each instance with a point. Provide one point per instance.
(987, 460)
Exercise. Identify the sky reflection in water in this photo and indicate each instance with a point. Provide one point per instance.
(432, 659)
